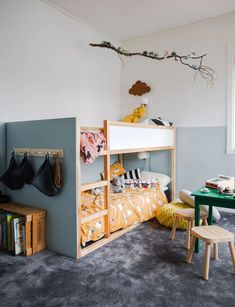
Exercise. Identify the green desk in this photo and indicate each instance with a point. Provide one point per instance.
(213, 198)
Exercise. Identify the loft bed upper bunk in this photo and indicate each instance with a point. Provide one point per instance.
(121, 138)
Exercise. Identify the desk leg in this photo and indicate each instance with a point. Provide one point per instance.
(210, 217)
(197, 222)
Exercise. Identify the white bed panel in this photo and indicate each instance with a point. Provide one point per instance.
(122, 137)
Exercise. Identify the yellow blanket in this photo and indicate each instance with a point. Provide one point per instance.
(128, 208)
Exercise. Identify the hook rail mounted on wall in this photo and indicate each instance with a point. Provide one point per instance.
(39, 152)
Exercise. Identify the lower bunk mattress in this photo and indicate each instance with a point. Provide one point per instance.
(126, 209)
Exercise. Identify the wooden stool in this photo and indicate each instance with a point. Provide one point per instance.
(211, 235)
(188, 215)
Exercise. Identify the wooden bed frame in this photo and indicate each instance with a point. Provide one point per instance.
(165, 139)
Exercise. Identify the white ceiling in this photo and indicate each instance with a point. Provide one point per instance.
(128, 19)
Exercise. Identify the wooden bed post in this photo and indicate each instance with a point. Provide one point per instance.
(173, 165)
(107, 177)
(78, 188)
(120, 159)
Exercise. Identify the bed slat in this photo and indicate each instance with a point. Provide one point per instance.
(93, 216)
(103, 241)
(93, 185)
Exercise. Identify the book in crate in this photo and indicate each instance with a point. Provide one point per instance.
(22, 229)
(12, 232)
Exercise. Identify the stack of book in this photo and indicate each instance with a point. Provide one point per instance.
(12, 232)
(220, 182)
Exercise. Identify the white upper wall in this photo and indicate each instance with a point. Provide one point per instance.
(48, 69)
(175, 96)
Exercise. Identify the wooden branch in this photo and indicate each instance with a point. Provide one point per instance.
(206, 72)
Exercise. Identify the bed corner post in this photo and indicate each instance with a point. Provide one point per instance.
(173, 165)
(120, 159)
(78, 189)
(107, 177)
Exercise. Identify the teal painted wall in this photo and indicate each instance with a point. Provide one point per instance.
(159, 162)
(201, 154)
(91, 172)
(61, 209)
(2, 152)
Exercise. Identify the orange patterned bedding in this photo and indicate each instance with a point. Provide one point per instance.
(126, 209)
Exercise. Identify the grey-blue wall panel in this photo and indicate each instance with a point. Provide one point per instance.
(2, 152)
(201, 154)
(159, 162)
(61, 209)
(91, 172)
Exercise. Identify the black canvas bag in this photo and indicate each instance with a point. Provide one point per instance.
(44, 179)
(25, 171)
(9, 178)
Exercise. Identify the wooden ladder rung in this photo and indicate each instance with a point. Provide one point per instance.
(93, 185)
(94, 216)
(103, 152)
(103, 241)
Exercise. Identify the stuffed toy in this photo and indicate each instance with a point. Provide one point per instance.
(136, 115)
(117, 184)
(97, 191)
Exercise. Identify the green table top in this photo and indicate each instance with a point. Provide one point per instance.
(213, 194)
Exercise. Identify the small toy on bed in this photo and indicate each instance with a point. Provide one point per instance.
(97, 191)
(117, 185)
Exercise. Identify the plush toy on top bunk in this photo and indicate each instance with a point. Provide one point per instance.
(136, 115)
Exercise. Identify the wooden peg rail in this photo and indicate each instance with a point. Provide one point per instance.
(38, 152)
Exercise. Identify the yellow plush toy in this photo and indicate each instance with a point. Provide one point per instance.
(136, 115)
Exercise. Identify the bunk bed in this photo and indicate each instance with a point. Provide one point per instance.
(121, 138)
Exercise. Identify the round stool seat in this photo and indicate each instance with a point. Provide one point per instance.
(189, 214)
(212, 234)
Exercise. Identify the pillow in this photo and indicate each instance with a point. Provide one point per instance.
(116, 169)
(186, 197)
(161, 122)
(132, 174)
(158, 121)
(163, 179)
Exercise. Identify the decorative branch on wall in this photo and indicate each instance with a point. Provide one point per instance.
(191, 60)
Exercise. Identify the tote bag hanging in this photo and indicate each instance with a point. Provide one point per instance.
(44, 179)
(9, 178)
(25, 171)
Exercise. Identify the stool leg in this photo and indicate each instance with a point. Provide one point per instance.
(188, 235)
(207, 261)
(174, 228)
(205, 222)
(190, 252)
(216, 253)
(231, 247)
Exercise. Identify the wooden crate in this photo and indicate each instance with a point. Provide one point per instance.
(35, 226)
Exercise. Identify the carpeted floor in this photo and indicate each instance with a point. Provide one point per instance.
(141, 268)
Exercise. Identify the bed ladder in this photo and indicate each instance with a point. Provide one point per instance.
(88, 186)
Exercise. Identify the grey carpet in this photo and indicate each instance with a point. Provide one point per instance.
(141, 268)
